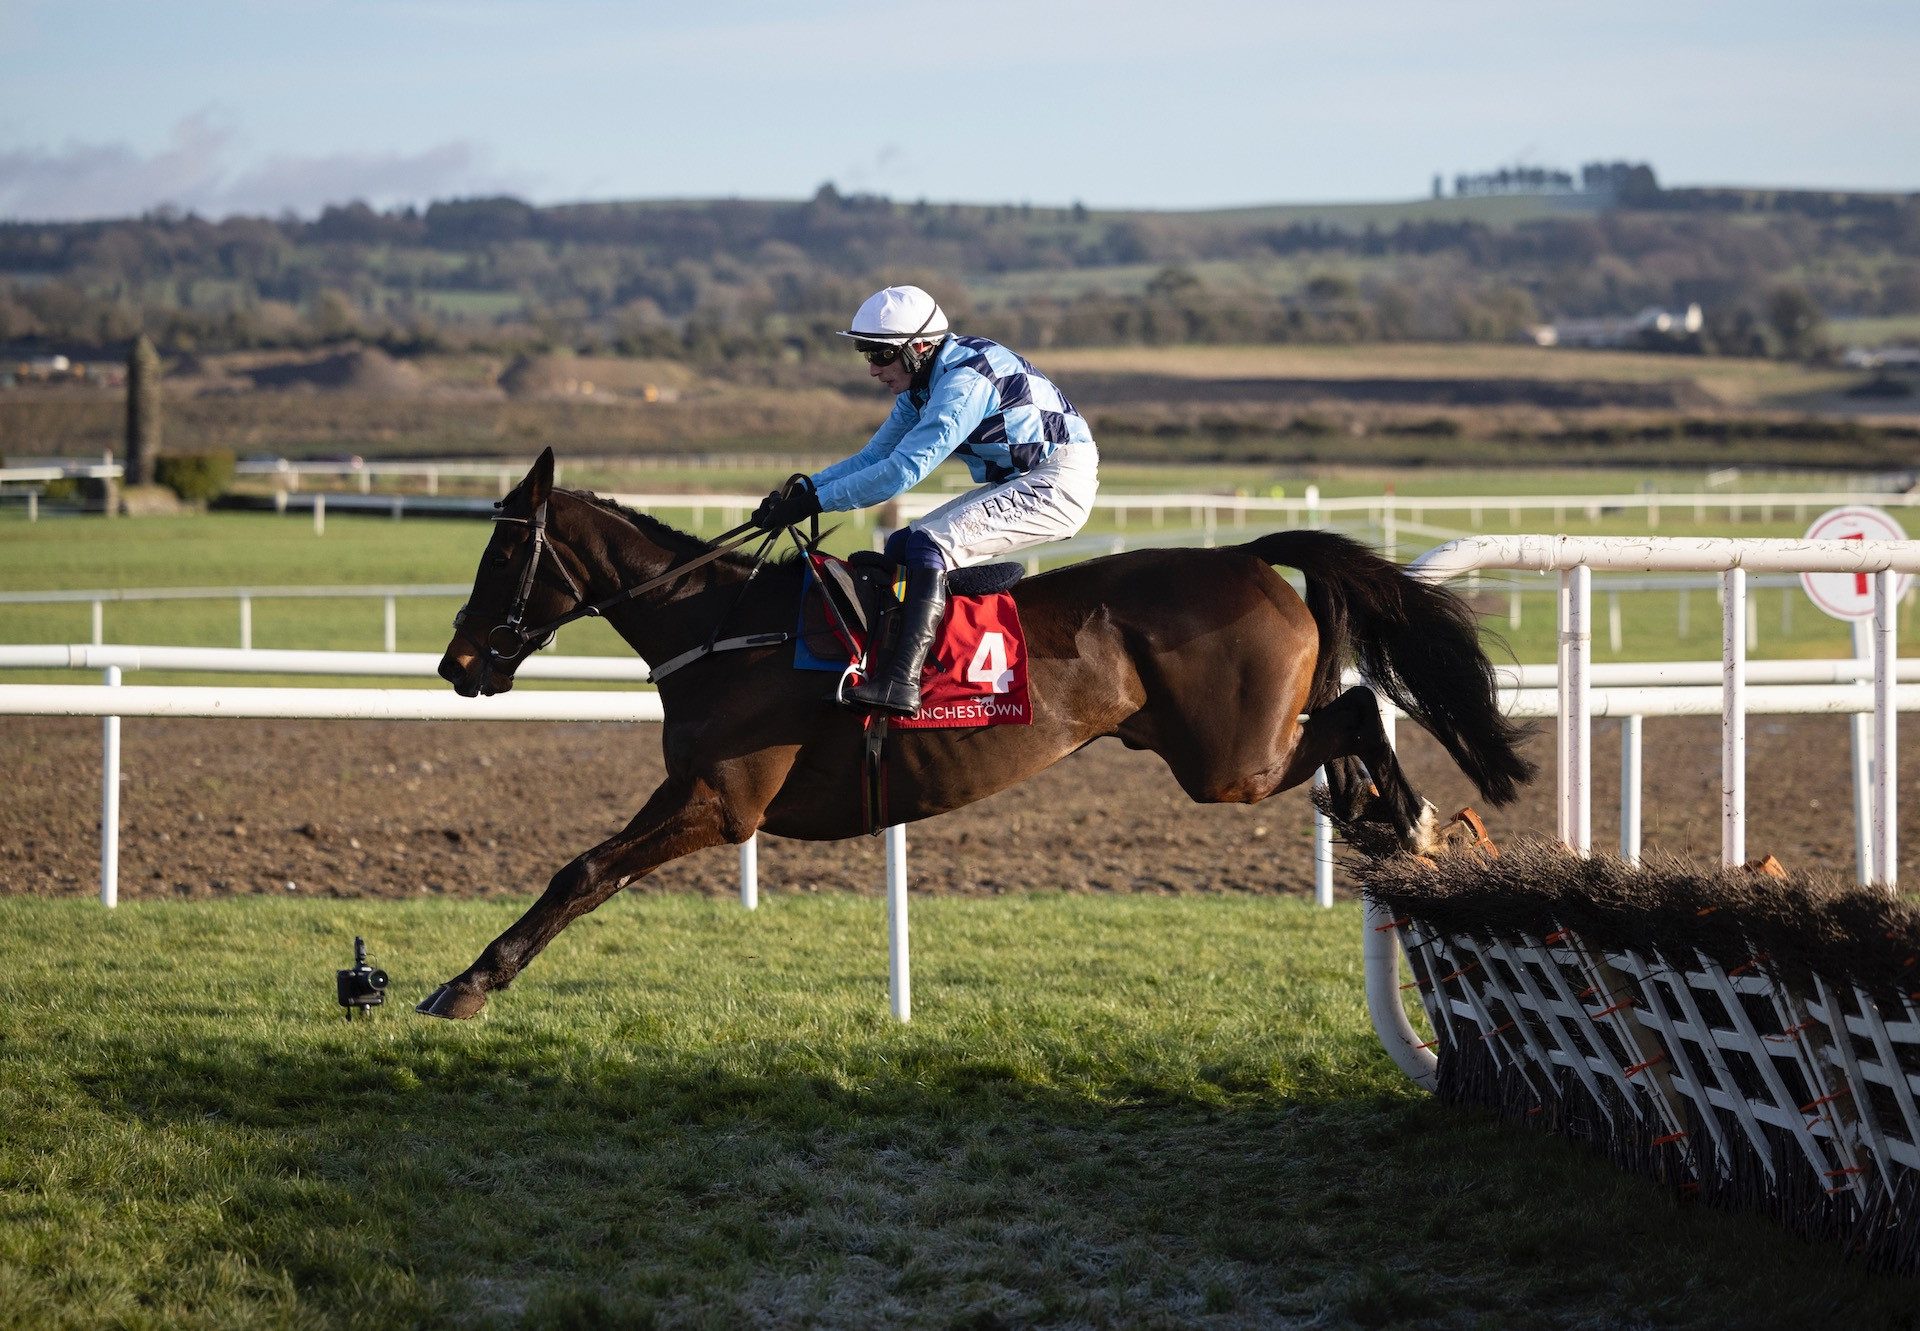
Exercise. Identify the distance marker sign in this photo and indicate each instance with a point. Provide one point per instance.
(1850, 595)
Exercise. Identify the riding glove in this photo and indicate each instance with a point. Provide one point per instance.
(783, 509)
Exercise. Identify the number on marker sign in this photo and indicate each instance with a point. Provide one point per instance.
(989, 664)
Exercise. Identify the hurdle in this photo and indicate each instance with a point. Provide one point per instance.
(1734, 1059)
(1574, 558)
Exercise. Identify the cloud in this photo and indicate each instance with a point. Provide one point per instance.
(198, 170)
(305, 184)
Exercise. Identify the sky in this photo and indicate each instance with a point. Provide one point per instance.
(113, 107)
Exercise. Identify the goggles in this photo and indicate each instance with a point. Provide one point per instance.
(879, 353)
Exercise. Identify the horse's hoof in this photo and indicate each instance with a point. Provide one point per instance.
(453, 1004)
(1474, 833)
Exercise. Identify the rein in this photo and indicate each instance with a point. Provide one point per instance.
(511, 640)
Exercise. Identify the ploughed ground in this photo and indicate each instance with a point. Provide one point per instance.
(407, 808)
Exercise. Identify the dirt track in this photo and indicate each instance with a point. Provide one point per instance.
(398, 809)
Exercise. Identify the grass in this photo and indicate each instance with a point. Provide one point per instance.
(1736, 381)
(1108, 1110)
(1871, 331)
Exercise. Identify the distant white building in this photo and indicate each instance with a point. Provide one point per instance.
(1652, 323)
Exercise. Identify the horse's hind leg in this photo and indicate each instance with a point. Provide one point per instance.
(677, 820)
(1349, 728)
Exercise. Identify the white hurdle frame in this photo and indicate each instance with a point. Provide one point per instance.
(1573, 557)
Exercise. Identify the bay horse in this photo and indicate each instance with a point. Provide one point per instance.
(1206, 657)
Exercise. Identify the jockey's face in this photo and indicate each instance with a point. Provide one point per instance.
(893, 376)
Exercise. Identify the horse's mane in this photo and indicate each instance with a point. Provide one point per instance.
(671, 537)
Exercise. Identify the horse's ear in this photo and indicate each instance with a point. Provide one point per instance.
(539, 482)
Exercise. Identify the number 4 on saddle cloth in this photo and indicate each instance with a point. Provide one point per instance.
(976, 674)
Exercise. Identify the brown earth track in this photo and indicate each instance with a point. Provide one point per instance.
(403, 809)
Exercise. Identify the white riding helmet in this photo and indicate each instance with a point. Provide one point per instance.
(897, 316)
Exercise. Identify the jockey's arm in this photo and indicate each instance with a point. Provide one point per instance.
(891, 430)
(942, 425)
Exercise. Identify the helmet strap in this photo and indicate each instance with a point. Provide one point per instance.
(918, 361)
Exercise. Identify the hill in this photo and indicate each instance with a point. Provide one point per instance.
(726, 280)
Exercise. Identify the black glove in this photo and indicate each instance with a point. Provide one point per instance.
(786, 508)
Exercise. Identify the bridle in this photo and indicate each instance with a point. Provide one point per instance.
(516, 639)
(510, 640)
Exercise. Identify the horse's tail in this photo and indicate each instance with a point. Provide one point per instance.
(1415, 641)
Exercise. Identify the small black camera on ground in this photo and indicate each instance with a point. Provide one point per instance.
(364, 987)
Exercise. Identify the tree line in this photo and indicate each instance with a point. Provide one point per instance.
(729, 278)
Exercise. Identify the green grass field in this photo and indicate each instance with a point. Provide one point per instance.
(1141, 1111)
(1735, 381)
(1873, 331)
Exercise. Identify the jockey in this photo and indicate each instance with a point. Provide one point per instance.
(1026, 445)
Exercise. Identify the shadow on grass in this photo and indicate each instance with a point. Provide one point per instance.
(512, 1175)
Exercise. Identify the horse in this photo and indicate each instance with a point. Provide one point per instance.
(1206, 657)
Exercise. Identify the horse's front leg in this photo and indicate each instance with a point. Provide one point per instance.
(678, 819)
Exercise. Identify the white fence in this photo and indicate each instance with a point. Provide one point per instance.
(1575, 558)
(243, 598)
(1661, 690)
(113, 700)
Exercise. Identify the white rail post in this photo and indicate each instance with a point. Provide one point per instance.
(750, 872)
(1380, 957)
(1613, 622)
(390, 629)
(1733, 718)
(110, 802)
(1630, 789)
(1580, 731)
(1861, 726)
(99, 624)
(246, 623)
(1563, 678)
(899, 979)
(33, 506)
(1322, 847)
(320, 515)
(1576, 727)
(1886, 650)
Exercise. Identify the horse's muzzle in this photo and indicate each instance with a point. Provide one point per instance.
(473, 676)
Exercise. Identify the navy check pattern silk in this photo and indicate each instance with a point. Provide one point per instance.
(1031, 417)
(982, 402)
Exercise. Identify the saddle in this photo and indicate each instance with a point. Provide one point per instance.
(862, 591)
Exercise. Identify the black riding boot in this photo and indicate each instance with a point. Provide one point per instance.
(894, 684)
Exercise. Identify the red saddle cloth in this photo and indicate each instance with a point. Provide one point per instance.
(976, 674)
